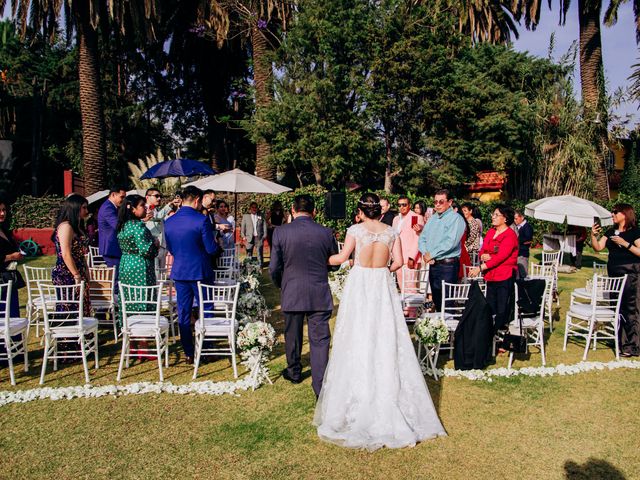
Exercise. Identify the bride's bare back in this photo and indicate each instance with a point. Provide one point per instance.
(374, 243)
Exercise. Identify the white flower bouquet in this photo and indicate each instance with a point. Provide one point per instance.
(337, 280)
(431, 330)
(255, 342)
(249, 283)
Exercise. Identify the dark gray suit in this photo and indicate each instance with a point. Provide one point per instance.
(299, 255)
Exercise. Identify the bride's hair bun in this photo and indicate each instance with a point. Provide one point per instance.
(369, 204)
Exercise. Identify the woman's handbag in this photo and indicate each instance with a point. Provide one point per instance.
(515, 343)
(13, 276)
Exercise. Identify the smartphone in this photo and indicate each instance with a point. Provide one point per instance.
(414, 221)
(596, 221)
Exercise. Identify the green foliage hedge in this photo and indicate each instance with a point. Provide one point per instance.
(35, 212)
(318, 193)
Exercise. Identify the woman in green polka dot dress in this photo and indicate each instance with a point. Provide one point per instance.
(138, 246)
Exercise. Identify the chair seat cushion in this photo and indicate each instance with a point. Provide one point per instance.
(88, 324)
(584, 310)
(16, 325)
(215, 326)
(414, 299)
(143, 324)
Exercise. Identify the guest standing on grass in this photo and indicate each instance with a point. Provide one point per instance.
(499, 257)
(525, 238)
(408, 226)
(474, 230)
(254, 231)
(9, 253)
(139, 247)
(440, 243)
(189, 236)
(623, 243)
(107, 225)
(71, 245)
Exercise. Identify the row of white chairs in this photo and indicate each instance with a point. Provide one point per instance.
(142, 319)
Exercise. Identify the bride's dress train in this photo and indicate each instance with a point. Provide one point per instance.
(374, 394)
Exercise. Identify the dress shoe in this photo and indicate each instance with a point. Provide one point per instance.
(189, 360)
(286, 376)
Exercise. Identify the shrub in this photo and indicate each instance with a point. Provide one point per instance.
(34, 212)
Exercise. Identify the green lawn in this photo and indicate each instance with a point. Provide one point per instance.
(579, 427)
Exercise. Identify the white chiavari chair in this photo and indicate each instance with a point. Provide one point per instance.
(96, 260)
(35, 313)
(547, 272)
(65, 323)
(600, 318)
(454, 298)
(217, 322)
(532, 322)
(13, 332)
(413, 291)
(141, 320)
(169, 307)
(101, 284)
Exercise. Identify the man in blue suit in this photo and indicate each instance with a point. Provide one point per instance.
(107, 222)
(189, 237)
(299, 254)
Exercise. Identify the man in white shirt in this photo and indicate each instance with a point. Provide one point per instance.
(155, 222)
(254, 231)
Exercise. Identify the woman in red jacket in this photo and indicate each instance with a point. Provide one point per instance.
(499, 257)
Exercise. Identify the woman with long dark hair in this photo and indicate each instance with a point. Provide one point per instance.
(623, 243)
(139, 248)
(70, 240)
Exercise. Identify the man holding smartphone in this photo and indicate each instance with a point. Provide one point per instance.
(408, 226)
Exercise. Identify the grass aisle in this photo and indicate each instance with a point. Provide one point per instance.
(544, 428)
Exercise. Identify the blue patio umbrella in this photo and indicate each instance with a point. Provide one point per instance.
(180, 167)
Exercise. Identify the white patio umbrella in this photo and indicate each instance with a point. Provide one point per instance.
(238, 181)
(94, 197)
(570, 209)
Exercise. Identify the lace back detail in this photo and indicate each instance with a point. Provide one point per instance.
(364, 238)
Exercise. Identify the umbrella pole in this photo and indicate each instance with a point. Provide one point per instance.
(235, 213)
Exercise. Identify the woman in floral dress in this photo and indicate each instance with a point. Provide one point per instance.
(139, 248)
(71, 245)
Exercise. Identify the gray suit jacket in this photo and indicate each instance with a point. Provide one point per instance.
(299, 254)
(246, 229)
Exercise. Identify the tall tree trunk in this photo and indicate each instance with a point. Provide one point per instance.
(261, 79)
(388, 176)
(591, 75)
(94, 150)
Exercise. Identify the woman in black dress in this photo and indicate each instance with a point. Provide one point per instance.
(275, 218)
(623, 243)
(9, 253)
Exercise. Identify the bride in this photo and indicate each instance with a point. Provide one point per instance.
(374, 394)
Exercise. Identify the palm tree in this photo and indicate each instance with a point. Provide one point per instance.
(84, 17)
(591, 65)
(254, 18)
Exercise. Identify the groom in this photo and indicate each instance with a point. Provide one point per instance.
(299, 255)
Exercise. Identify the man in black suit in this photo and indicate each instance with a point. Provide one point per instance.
(387, 215)
(299, 255)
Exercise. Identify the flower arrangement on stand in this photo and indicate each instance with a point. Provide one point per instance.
(252, 305)
(337, 280)
(431, 332)
(250, 266)
(255, 342)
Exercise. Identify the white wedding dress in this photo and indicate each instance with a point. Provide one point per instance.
(374, 394)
